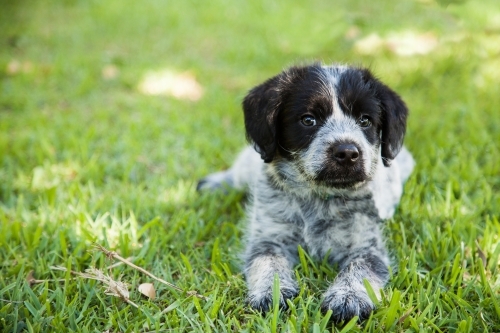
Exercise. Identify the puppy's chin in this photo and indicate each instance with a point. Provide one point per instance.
(341, 185)
(351, 178)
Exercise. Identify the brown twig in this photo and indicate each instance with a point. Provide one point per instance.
(114, 255)
(114, 288)
(116, 264)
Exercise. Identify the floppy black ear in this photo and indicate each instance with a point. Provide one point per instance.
(394, 114)
(261, 107)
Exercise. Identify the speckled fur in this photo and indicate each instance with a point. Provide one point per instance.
(289, 206)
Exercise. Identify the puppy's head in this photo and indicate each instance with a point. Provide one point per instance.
(325, 125)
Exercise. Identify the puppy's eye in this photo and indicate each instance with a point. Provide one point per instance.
(364, 121)
(308, 120)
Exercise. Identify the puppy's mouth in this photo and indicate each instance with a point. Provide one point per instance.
(344, 184)
(342, 178)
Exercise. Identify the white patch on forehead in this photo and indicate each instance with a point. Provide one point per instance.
(341, 129)
(330, 76)
(335, 69)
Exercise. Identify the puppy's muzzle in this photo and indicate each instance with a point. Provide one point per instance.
(345, 154)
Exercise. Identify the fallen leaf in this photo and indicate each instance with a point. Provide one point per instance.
(147, 289)
(178, 85)
(13, 67)
(352, 33)
(110, 72)
(31, 278)
(406, 43)
(409, 43)
(370, 44)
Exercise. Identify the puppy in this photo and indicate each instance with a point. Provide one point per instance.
(323, 173)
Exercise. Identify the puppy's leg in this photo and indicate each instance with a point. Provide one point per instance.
(363, 256)
(240, 175)
(265, 259)
(347, 296)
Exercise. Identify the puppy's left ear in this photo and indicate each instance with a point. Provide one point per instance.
(261, 108)
(394, 115)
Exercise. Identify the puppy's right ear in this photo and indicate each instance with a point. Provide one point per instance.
(261, 108)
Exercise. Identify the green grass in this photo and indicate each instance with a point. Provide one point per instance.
(86, 160)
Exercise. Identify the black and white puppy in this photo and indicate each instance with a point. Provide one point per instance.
(324, 173)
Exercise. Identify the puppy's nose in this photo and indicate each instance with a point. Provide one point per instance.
(345, 153)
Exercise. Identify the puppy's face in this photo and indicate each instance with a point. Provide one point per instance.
(325, 125)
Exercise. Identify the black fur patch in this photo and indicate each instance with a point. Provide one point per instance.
(306, 97)
(261, 108)
(394, 115)
(357, 98)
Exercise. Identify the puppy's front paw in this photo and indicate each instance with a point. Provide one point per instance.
(263, 300)
(346, 303)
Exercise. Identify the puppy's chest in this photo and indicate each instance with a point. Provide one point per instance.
(338, 225)
(335, 213)
(324, 217)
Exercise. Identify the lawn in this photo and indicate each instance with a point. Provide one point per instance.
(89, 157)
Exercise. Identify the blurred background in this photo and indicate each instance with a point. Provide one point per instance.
(139, 89)
(110, 111)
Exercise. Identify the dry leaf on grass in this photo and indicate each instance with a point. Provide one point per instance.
(370, 44)
(114, 255)
(117, 288)
(30, 278)
(352, 33)
(148, 290)
(178, 85)
(110, 72)
(410, 43)
(406, 43)
(15, 67)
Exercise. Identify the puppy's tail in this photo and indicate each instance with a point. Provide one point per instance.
(243, 172)
(215, 181)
